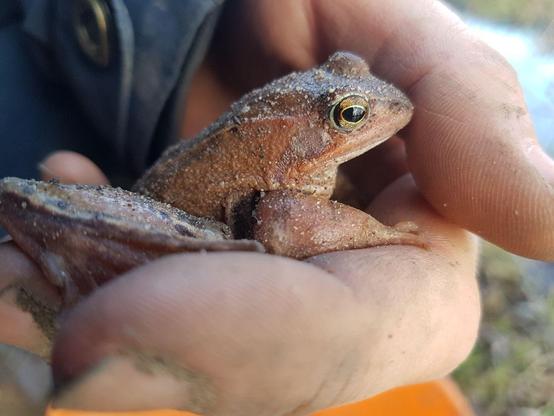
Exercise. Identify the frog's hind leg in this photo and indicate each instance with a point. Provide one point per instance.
(83, 236)
(299, 226)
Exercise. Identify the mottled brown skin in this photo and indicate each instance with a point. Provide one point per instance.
(82, 236)
(281, 137)
(278, 149)
(275, 138)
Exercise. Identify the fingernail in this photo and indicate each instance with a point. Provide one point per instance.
(543, 162)
(136, 382)
(45, 172)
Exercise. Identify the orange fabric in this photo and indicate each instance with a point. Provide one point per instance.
(437, 398)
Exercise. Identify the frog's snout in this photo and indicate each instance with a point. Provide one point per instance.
(401, 101)
(401, 108)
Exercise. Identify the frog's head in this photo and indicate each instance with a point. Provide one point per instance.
(326, 115)
(357, 110)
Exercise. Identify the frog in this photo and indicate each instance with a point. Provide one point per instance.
(291, 134)
(258, 179)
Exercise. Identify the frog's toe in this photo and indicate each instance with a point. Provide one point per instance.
(407, 227)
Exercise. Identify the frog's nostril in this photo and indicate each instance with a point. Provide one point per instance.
(402, 105)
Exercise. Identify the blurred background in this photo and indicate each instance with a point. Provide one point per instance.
(511, 370)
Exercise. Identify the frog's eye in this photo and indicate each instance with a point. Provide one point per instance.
(349, 113)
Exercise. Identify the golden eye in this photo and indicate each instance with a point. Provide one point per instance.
(349, 113)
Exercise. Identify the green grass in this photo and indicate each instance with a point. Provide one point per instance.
(538, 13)
(512, 366)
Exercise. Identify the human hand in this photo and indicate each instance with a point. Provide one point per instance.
(335, 323)
(240, 352)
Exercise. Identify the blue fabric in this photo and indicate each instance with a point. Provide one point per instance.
(36, 117)
(52, 96)
(9, 9)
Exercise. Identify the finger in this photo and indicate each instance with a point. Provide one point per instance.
(28, 304)
(25, 382)
(260, 335)
(425, 301)
(71, 167)
(471, 145)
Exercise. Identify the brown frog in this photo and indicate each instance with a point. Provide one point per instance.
(264, 171)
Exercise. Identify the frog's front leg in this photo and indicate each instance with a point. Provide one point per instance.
(299, 226)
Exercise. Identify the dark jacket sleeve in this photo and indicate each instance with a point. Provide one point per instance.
(102, 77)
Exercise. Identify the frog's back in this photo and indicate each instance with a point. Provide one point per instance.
(245, 150)
(229, 161)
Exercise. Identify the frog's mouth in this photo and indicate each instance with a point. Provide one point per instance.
(355, 150)
(374, 133)
(321, 181)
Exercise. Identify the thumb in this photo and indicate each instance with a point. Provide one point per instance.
(71, 167)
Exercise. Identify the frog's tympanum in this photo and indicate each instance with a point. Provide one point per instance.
(264, 171)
